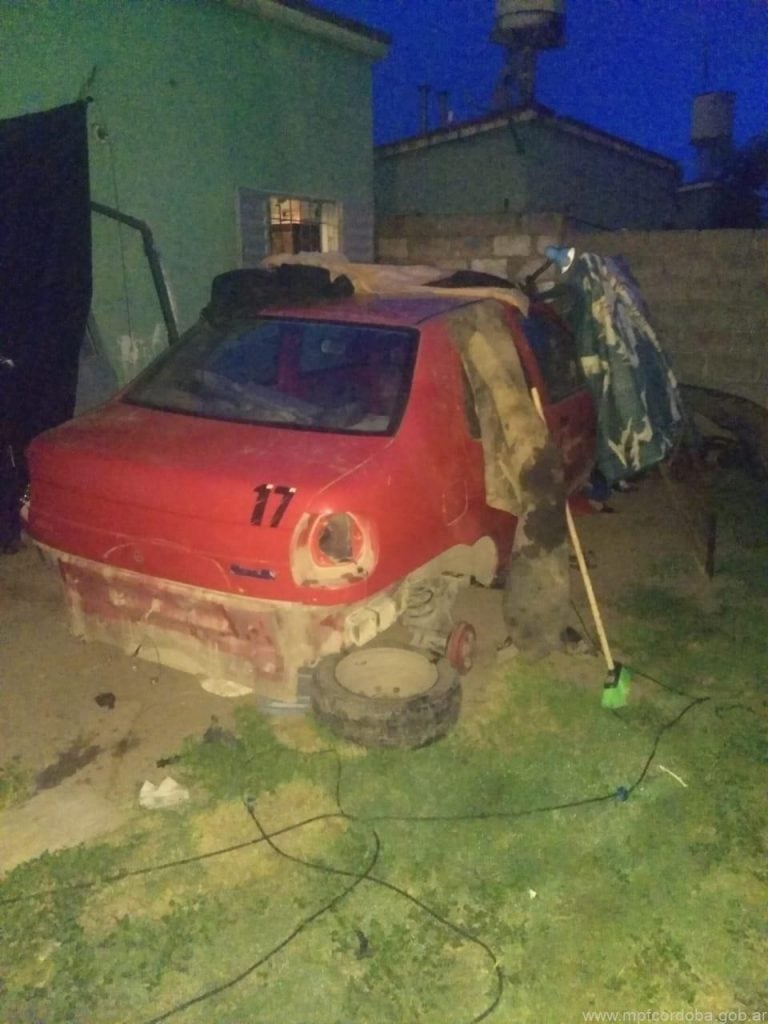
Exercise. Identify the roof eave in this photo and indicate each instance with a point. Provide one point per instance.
(492, 122)
(305, 17)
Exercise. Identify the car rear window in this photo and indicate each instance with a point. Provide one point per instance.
(310, 375)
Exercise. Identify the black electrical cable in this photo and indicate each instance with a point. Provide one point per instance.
(358, 878)
(684, 693)
(119, 876)
(720, 708)
(664, 686)
(660, 732)
(487, 815)
(383, 883)
(622, 793)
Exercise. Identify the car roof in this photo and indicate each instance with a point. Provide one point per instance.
(389, 310)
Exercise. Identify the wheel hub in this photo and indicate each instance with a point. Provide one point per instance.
(386, 673)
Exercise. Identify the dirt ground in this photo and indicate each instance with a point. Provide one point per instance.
(84, 760)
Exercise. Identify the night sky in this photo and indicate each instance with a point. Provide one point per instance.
(630, 67)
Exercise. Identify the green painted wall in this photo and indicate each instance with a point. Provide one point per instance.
(535, 168)
(192, 99)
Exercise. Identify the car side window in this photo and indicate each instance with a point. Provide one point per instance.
(555, 352)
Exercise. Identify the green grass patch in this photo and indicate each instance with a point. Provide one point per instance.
(15, 785)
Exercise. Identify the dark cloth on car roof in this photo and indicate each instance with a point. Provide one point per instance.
(241, 293)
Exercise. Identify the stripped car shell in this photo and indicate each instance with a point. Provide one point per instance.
(276, 490)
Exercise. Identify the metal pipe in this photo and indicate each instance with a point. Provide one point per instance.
(153, 258)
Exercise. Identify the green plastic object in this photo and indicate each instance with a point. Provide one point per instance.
(616, 687)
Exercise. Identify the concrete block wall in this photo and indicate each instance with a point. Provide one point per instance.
(707, 291)
(506, 245)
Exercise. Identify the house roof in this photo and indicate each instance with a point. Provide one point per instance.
(309, 17)
(522, 115)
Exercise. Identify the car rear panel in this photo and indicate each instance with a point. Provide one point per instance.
(215, 505)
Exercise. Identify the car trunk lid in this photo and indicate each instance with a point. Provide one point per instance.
(215, 504)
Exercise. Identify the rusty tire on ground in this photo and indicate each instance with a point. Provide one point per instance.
(386, 697)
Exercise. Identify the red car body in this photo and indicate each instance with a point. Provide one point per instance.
(245, 550)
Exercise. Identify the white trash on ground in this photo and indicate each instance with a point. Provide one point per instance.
(168, 794)
(225, 687)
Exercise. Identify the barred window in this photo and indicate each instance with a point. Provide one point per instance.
(302, 225)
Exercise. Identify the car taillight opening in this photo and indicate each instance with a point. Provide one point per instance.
(332, 549)
(336, 539)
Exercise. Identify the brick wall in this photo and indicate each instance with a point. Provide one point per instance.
(707, 290)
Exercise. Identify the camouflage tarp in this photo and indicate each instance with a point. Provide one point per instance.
(639, 412)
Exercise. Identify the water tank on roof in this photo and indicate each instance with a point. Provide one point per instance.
(530, 23)
(712, 116)
(712, 133)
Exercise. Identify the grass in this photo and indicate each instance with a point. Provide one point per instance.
(654, 902)
(15, 786)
